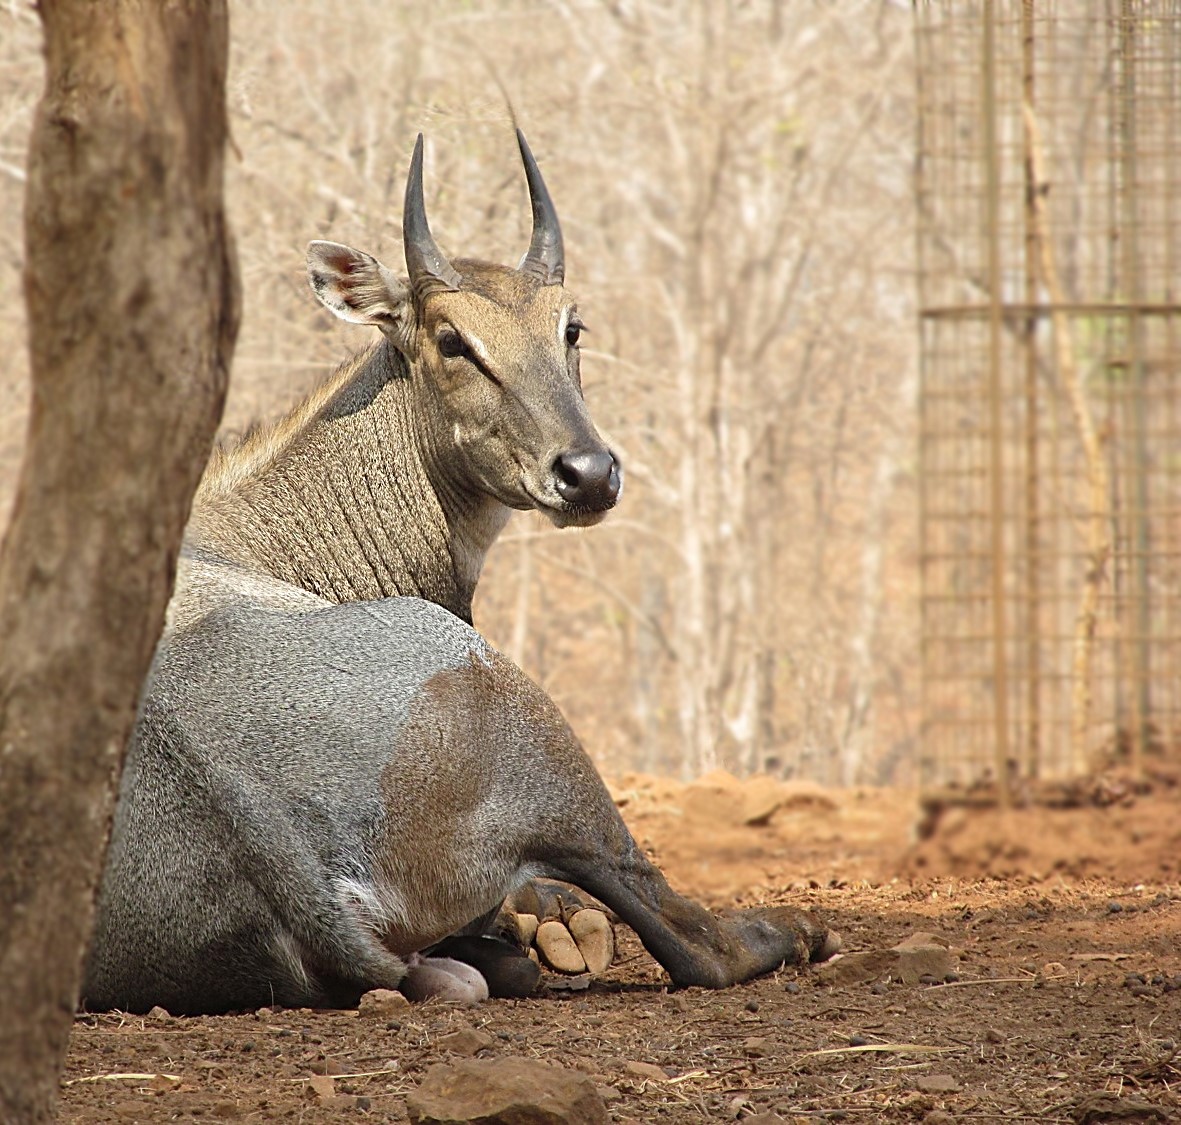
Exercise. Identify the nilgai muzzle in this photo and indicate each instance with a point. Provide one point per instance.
(326, 779)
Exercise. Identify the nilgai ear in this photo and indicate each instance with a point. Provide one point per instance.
(358, 288)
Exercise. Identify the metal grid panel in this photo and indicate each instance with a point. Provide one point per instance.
(1049, 192)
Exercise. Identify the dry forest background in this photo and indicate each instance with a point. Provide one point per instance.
(734, 181)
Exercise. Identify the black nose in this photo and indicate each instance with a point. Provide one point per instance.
(588, 480)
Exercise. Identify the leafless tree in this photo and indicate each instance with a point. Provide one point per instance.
(132, 304)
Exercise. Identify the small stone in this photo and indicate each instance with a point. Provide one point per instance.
(752, 1005)
(382, 1003)
(792, 988)
(858, 1041)
(755, 1047)
(916, 961)
(921, 939)
(161, 1014)
(857, 968)
(937, 1084)
(466, 1041)
(647, 1071)
(993, 1036)
(1102, 1106)
(505, 1092)
(320, 1087)
(1114, 908)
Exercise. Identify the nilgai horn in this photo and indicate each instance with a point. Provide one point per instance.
(327, 778)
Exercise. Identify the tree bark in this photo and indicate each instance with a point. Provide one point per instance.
(133, 307)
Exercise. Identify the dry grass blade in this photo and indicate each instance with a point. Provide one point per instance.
(882, 1048)
(1158, 1069)
(1004, 980)
(691, 1076)
(131, 1076)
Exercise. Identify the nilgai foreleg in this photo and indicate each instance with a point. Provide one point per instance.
(542, 807)
(695, 946)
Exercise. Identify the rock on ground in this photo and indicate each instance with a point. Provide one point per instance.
(509, 1091)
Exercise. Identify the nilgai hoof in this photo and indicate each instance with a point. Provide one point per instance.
(813, 940)
(829, 947)
(595, 939)
(526, 929)
(558, 948)
(571, 930)
(442, 978)
(548, 900)
(509, 973)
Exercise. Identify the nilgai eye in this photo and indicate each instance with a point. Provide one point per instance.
(573, 332)
(451, 345)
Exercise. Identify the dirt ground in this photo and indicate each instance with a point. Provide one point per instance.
(1063, 1003)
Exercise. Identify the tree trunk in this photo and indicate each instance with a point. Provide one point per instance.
(133, 306)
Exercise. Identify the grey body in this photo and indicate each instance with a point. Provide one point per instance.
(274, 840)
(324, 780)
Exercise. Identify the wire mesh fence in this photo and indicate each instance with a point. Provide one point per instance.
(1049, 190)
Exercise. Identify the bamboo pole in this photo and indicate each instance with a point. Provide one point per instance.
(1099, 523)
(996, 444)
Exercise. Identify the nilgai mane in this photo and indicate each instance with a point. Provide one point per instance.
(329, 775)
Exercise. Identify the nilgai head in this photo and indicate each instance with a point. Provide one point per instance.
(497, 351)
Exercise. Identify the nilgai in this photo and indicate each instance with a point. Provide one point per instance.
(329, 776)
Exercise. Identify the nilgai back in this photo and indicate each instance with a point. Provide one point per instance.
(325, 779)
